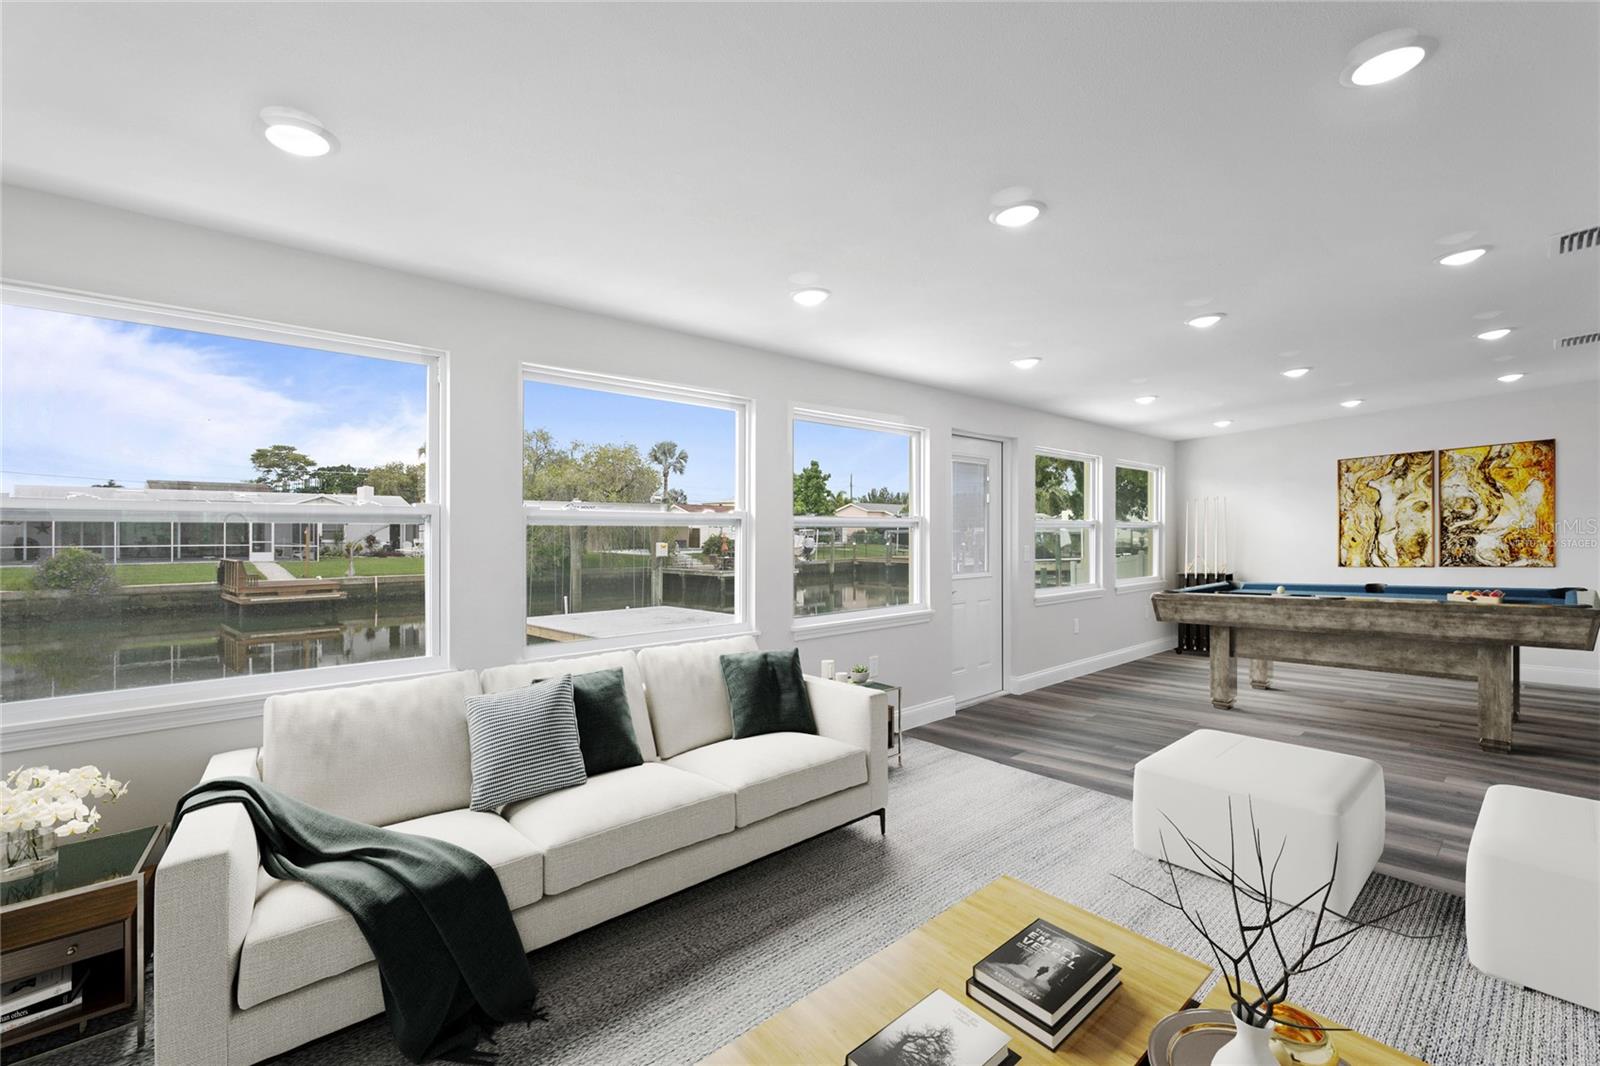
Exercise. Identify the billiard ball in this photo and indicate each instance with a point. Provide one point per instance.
(1280, 591)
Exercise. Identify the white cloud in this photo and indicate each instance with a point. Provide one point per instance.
(93, 398)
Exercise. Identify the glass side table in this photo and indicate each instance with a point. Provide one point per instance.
(896, 742)
(86, 913)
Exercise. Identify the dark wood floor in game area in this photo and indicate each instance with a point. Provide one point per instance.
(1423, 731)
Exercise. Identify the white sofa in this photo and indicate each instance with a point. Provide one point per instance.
(247, 967)
(1314, 800)
(1533, 892)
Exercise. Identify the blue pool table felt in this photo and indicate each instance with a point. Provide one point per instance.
(1567, 597)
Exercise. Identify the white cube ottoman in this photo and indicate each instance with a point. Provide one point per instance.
(1306, 801)
(1533, 892)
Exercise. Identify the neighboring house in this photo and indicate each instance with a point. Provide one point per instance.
(33, 525)
(693, 535)
(857, 509)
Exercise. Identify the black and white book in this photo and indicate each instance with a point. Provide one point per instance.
(938, 1031)
(1044, 970)
(20, 992)
(1051, 1036)
(72, 999)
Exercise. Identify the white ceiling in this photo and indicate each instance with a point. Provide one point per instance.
(677, 164)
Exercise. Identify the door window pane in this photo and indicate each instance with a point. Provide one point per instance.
(969, 517)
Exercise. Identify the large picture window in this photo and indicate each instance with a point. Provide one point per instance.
(859, 516)
(1065, 522)
(1138, 540)
(635, 509)
(196, 501)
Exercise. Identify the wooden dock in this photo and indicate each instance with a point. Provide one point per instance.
(242, 589)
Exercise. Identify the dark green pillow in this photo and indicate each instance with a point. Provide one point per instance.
(605, 723)
(767, 693)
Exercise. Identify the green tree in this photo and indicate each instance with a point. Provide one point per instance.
(406, 480)
(811, 495)
(283, 466)
(340, 478)
(672, 460)
(1058, 487)
(885, 495)
(74, 570)
(1133, 494)
(594, 473)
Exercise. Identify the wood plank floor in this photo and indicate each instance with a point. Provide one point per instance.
(1423, 731)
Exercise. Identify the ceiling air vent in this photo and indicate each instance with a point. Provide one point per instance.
(1577, 339)
(1579, 240)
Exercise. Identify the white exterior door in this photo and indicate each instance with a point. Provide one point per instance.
(976, 569)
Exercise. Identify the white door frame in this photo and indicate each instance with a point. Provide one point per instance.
(1003, 482)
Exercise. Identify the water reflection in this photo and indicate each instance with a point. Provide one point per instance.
(63, 657)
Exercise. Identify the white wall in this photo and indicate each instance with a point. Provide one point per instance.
(54, 241)
(1283, 516)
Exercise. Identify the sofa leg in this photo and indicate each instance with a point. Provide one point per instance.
(883, 821)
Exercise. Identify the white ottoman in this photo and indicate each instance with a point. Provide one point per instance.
(1533, 892)
(1313, 800)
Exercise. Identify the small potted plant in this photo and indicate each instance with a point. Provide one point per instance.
(859, 674)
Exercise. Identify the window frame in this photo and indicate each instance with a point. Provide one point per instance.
(118, 712)
(547, 512)
(1156, 524)
(916, 519)
(1089, 526)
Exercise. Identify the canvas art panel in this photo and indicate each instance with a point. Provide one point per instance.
(1497, 505)
(1386, 513)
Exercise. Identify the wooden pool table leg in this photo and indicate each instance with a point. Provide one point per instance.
(1260, 673)
(1497, 670)
(1224, 668)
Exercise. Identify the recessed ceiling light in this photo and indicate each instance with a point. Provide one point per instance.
(1462, 258)
(1145, 399)
(1509, 378)
(1297, 372)
(1017, 215)
(1493, 334)
(809, 297)
(1206, 321)
(296, 132)
(1349, 403)
(1384, 58)
(1028, 363)
(1223, 423)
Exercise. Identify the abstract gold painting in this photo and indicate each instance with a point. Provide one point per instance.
(1497, 505)
(1386, 510)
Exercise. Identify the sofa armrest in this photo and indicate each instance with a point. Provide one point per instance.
(857, 716)
(205, 893)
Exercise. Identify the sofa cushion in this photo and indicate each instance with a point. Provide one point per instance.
(617, 820)
(500, 678)
(767, 693)
(776, 772)
(687, 696)
(524, 743)
(297, 935)
(373, 753)
(605, 726)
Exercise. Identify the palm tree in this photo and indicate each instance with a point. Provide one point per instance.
(672, 460)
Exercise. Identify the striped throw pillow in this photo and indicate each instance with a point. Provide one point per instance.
(524, 743)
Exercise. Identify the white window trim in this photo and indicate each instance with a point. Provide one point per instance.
(1156, 525)
(552, 513)
(1090, 525)
(120, 712)
(916, 519)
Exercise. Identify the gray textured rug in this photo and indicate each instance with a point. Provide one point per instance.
(674, 981)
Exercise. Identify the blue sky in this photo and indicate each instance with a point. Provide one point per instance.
(875, 459)
(87, 399)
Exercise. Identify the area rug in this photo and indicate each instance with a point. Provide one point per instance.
(680, 978)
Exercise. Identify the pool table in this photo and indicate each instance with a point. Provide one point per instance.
(1405, 629)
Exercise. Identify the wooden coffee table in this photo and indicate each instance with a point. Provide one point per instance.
(825, 1026)
(1351, 1046)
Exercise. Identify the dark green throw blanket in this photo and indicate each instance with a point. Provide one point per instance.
(434, 914)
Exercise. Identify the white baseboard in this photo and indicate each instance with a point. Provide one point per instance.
(1054, 675)
(923, 713)
(1564, 676)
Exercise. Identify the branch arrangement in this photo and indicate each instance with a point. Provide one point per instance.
(1299, 958)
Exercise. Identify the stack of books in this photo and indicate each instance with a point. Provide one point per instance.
(1045, 981)
(937, 1031)
(25, 1000)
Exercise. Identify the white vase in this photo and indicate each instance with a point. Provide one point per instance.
(1250, 1045)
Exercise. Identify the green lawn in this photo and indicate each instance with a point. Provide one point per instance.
(18, 578)
(365, 566)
